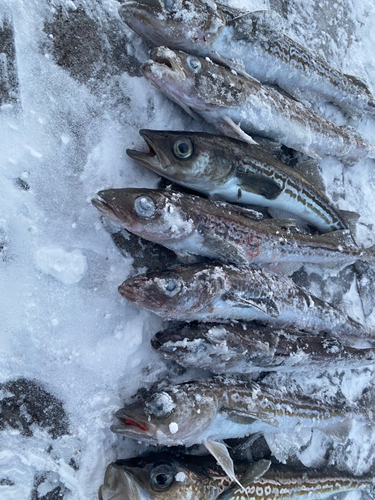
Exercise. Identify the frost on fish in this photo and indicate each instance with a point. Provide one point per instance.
(239, 105)
(245, 348)
(255, 42)
(194, 227)
(212, 293)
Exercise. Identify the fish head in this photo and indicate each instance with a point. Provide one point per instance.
(176, 415)
(178, 293)
(196, 160)
(161, 476)
(152, 214)
(180, 24)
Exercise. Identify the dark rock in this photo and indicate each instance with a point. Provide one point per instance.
(8, 71)
(56, 492)
(25, 404)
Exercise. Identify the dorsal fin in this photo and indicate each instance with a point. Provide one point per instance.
(258, 26)
(246, 212)
(310, 170)
(350, 219)
(283, 224)
(339, 237)
(360, 83)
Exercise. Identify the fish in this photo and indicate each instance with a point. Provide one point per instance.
(206, 411)
(215, 292)
(166, 476)
(252, 42)
(193, 226)
(238, 106)
(247, 347)
(228, 169)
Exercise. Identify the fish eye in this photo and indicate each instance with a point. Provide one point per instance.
(162, 477)
(144, 206)
(194, 63)
(170, 286)
(183, 148)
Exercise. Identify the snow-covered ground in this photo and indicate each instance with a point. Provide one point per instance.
(72, 100)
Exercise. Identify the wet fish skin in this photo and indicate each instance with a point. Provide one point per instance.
(202, 479)
(234, 171)
(245, 348)
(220, 292)
(207, 410)
(192, 226)
(224, 98)
(257, 39)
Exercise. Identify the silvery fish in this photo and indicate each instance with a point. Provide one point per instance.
(231, 170)
(192, 226)
(165, 476)
(253, 41)
(247, 347)
(238, 105)
(208, 410)
(215, 292)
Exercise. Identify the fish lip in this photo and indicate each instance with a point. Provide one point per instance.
(155, 160)
(129, 292)
(102, 205)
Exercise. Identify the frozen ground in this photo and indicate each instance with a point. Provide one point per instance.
(72, 100)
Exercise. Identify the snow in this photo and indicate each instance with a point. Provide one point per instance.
(64, 131)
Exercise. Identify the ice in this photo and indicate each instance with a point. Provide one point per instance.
(72, 99)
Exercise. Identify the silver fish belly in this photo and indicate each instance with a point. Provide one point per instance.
(213, 293)
(247, 347)
(234, 171)
(192, 226)
(238, 105)
(256, 39)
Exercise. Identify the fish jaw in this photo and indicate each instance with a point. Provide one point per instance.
(118, 480)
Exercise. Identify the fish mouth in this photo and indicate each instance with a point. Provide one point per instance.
(103, 206)
(118, 480)
(133, 426)
(155, 159)
(129, 292)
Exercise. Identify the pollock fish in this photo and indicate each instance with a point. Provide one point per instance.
(226, 168)
(239, 105)
(165, 476)
(192, 226)
(250, 41)
(247, 347)
(215, 292)
(208, 410)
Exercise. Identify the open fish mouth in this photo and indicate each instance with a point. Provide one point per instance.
(154, 158)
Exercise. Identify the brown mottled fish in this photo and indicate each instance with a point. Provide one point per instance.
(248, 347)
(254, 42)
(239, 105)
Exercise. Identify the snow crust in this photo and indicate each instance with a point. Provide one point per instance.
(64, 324)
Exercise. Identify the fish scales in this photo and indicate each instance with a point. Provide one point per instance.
(229, 169)
(245, 348)
(200, 478)
(193, 226)
(254, 41)
(216, 292)
(226, 99)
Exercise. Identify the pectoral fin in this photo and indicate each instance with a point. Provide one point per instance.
(263, 304)
(310, 171)
(221, 454)
(225, 250)
(254, 472)
(249, 417)
(339, 432)
(238, 130)
(257, 184)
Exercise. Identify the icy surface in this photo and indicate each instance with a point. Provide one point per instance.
(72, 100)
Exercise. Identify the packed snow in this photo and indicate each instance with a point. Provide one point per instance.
(72, 101)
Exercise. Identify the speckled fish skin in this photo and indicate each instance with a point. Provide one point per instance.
(192, 226)
(226, 99)
(204, 480)
(256, 39)
(223, 408)
(247, 347)
(216, 292)
(234, 171)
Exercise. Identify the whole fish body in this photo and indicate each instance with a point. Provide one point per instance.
(238, 105)
(245, 348)
(208, 410)
(165, 476)
(253, 40)
(193, 226)
(216, 292)
(234, 171)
